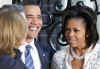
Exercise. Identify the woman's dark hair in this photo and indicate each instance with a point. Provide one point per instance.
(90, 19)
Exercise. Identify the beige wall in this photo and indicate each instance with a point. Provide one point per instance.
(2, 2)
(98, 20)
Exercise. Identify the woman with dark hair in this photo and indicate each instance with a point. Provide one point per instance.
(80, 32)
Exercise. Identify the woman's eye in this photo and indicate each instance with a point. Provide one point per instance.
(67, 30)
(76, 30)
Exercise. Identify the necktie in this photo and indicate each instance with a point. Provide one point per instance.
(28, 58)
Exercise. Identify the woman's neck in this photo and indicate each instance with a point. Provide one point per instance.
(80, 51)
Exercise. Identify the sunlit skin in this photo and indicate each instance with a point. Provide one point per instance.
(34, 19)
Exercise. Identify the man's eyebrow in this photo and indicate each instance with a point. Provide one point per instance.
(29, 15)
(39, 15)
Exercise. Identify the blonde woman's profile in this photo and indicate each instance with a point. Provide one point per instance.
(12, 32)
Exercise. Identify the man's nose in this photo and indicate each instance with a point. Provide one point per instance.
(34, 21)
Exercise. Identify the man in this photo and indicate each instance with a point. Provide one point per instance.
(39, 56)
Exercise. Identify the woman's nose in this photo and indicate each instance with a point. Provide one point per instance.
(71, 33)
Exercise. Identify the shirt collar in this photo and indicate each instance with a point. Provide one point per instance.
(31, 43)
(23, 47)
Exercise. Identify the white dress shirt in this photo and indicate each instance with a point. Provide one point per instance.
(34, 54)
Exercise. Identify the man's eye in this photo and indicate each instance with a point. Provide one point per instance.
(39, 17)
(29, 17)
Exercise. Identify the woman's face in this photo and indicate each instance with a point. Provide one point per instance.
(75, 32)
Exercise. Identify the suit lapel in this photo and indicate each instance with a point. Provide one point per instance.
(40, 52)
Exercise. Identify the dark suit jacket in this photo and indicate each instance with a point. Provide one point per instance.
(45, 54)
(7, 62)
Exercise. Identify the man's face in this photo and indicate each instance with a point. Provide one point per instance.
(34, 18)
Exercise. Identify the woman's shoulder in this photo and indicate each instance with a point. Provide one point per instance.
(7, 62)
(97, 49)
(61, 53)
(4, 58)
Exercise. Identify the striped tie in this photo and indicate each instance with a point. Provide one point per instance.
(28, 58)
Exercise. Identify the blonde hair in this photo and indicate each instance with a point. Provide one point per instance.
(12, 31)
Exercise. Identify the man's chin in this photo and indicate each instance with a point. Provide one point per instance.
(31, 36)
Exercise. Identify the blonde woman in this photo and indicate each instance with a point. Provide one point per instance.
(12, 32)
